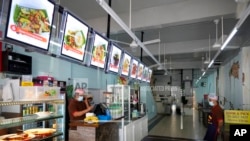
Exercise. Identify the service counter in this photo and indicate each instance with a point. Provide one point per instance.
(203, 115)
(102, 131)
(113, 130)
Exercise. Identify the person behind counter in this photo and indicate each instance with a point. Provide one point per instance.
(79, 106)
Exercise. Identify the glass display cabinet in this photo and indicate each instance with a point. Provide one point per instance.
(24, 118)
(118, 101)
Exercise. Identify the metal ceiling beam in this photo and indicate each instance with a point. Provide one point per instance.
(111, 12)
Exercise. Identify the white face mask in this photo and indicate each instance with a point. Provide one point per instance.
(80, 98)
(211, 103)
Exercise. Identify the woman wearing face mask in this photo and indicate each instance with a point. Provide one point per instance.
(215, 119)
(79, 106)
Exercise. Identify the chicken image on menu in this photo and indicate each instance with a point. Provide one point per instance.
(140, 71)
(75, 38)
(134, 68)
(30, 22)
(115, 59)
(126, 64)
(99, 51)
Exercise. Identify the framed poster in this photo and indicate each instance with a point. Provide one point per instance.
(134, 68)
(30, 22)
(114, 58)
(140, 71)
(145, 74)
(75, 37)
(125, 65)
(99, 51)
(150, 72)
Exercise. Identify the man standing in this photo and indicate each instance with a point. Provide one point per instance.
(215, 119)
(79, 106)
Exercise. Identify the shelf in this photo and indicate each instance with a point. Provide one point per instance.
(52, 136)
(13, 122)
(9, 103)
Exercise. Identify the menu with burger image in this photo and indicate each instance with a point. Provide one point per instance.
(115, 58)
(126, 64)
(75, 38)
(30, 22)
(140, 71)
(99, 51)
(134, 68)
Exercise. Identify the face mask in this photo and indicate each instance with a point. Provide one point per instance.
(80, 98)
(211, 103)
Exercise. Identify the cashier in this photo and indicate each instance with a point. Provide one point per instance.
(79, 106)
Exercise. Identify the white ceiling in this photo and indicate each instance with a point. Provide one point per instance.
(184, 26)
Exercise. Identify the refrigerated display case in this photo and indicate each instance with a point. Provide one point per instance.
(118, 101)
(27, 119)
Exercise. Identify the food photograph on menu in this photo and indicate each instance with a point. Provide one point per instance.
(145, 74)
(140, 71)
(99, 51)
(75, 38)
(150, 72)
(115, 59)
(134, 68)
(30, 22)
(126, 64)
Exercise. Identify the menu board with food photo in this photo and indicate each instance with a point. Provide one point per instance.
(126, 64)
(150, 72)
(145, 74)
(115, 59)
(134, 68)
(99, 51)
(75, 38)
(30, 22)
(140, 71)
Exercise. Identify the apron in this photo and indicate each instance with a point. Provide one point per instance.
(211, 134)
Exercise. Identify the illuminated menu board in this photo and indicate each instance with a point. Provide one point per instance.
(140, 71)
(134, 68)
(99, 51)
(30, 22)
(125, 64)
(150, 72)
(114, 58)
(145, 74)
(74, 38)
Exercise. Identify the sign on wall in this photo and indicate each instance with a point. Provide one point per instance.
(237, 116)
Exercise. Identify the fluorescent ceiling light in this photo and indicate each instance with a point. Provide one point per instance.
(111, 12)
(203, 73)
(211, 63)
(229, 38)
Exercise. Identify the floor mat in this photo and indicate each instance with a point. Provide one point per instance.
(161, 138)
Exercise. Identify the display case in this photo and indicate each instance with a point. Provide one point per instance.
(37, 127)
(118, 101)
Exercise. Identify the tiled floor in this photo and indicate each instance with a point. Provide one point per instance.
(170, 126)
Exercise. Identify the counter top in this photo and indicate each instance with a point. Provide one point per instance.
(96, 125)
